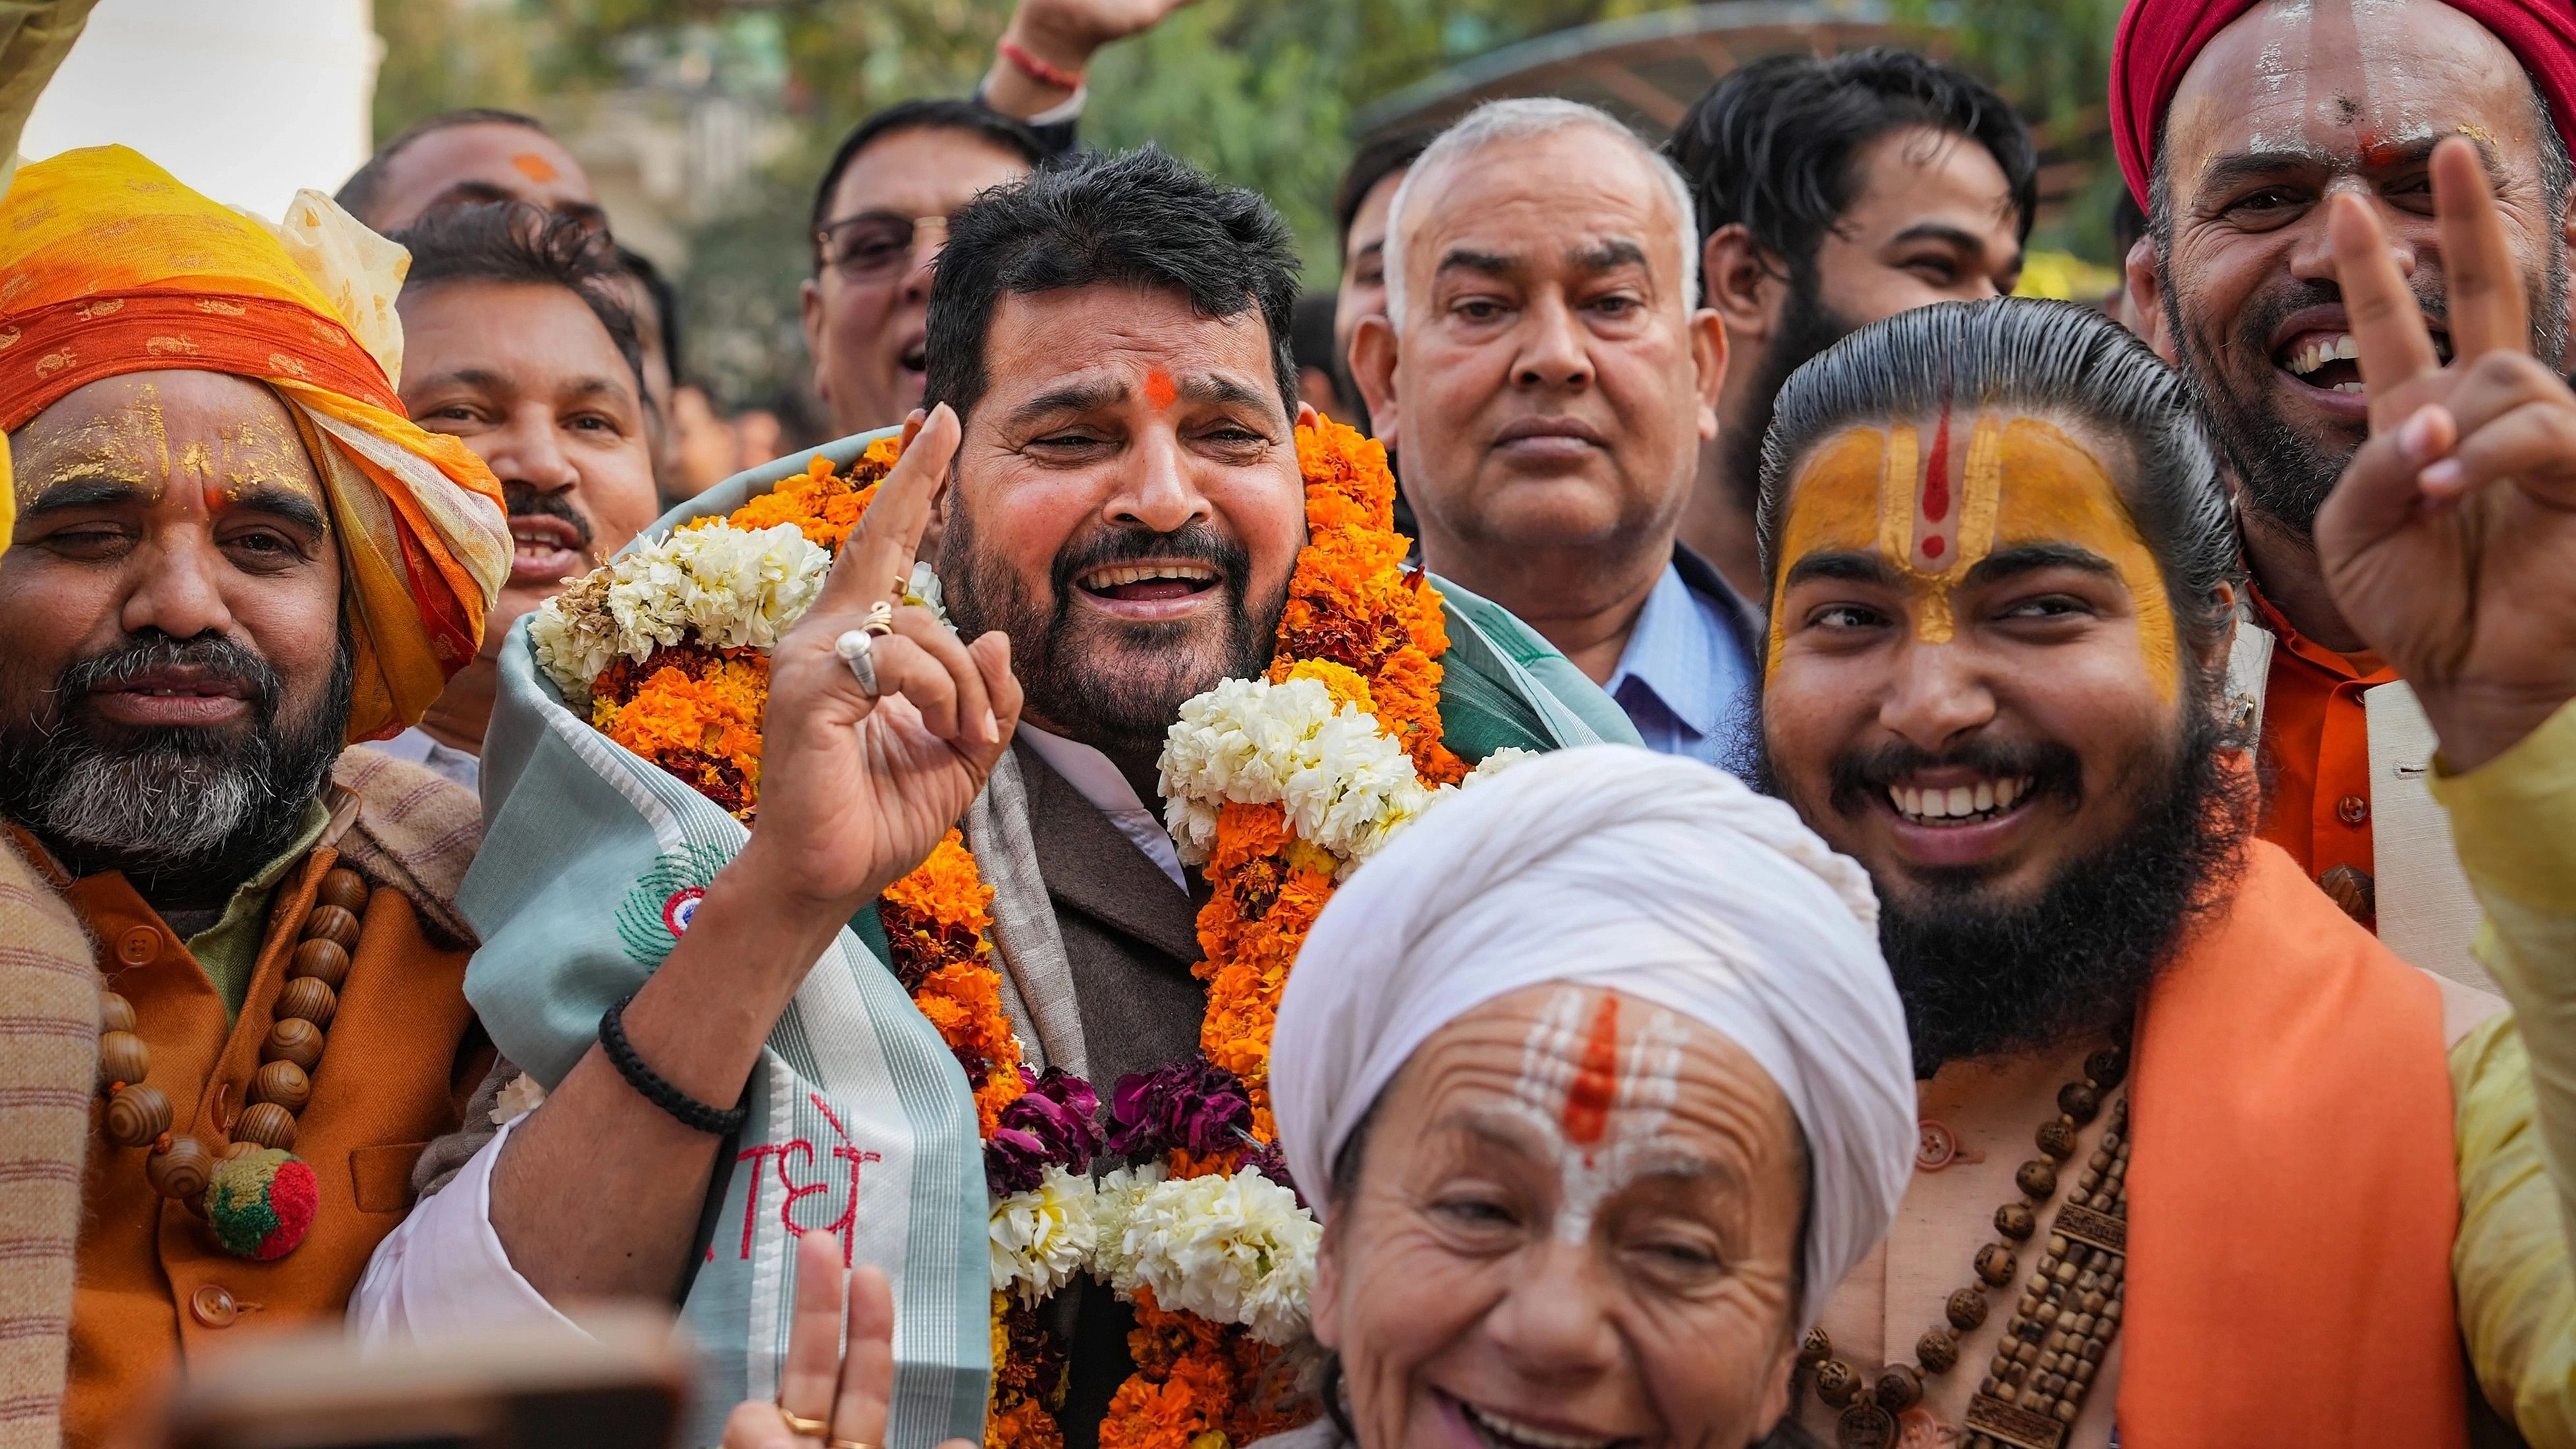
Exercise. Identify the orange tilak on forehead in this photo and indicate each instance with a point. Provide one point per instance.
(1160, 390)
(1596, 1078)
(534, 167)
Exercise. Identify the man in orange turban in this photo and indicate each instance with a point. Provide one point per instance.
(232, 555)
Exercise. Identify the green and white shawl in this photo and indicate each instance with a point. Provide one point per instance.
(861, 1121)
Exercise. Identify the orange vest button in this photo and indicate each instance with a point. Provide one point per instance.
(138, 945)
(2352, 810)
(213, 1307)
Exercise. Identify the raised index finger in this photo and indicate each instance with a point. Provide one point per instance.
(2387, 328)
(880, 550)
(2487, 309)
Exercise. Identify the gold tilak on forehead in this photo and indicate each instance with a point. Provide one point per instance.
(1916, 513)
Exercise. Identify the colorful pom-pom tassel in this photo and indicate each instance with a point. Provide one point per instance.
(261, 1203)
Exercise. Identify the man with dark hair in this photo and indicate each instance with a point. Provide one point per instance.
(2235, 122)
(881, 208)
(1833, 192)
(1115, 418)
(880, 214)
(2003, 586)
(459, 158)
(519, 343)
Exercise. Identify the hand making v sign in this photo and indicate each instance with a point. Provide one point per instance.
(2450, 542)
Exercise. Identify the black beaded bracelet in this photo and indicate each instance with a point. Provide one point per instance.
(649, 1084)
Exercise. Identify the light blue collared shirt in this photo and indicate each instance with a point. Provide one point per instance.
(1684, 675)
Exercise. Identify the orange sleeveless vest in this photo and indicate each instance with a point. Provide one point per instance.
(2292, 1189)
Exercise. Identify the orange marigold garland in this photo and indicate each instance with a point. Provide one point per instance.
(1354, 691)
(1344, 742)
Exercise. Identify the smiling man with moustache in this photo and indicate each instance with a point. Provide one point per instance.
(1546, 372)
(1113, 443)
(520, 346)
(232, 555)
(2236, 122)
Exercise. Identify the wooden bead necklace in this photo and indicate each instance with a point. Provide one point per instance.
(2053, 1345)
(246, 1193)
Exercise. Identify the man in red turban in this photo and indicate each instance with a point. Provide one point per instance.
(2286, 152)
(2235, 122)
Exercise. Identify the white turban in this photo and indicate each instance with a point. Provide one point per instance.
(1614, 868)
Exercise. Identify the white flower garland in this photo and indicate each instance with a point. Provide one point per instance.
(1235, 1249)
(729, 588)
(1345, 784)
(1044, 1236)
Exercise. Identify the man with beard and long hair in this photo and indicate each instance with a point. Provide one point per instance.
(1833, 191)
(2235, 121)
(519, 343)
(232, 556)
(2004, 575)
(1112, 441)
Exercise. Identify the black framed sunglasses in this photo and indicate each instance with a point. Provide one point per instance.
(877, 246)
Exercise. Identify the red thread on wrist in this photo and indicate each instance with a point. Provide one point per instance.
(1043, 72)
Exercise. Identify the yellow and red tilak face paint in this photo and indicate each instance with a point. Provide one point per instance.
(1933, 509)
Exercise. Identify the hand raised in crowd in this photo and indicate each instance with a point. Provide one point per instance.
(1068, 32)
(856, 790)
(842, 1392)
(2450, 542)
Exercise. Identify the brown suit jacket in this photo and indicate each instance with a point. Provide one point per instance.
(1131, 937)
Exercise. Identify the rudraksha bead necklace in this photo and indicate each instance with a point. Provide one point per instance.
(2053, 1345)
(256, 1195)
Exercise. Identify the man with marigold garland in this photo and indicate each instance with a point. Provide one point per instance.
(231, 557)
(1176, 583)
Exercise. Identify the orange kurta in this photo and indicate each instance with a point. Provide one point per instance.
(399, 1060)
(2292, 1191)
(2316, 745)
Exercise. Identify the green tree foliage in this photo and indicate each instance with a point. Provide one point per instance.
(444, 54)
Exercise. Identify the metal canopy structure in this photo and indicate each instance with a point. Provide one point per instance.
(1648, 69)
